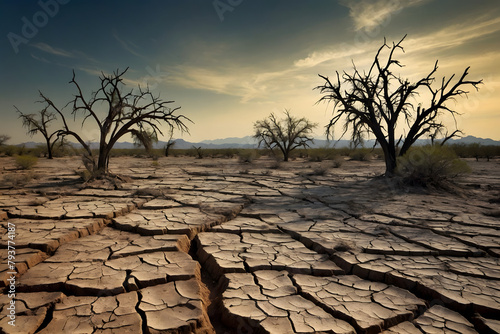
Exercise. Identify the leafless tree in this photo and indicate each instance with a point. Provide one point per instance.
(286, 134)
(139, 114)
(4, 139)
(377, 101)
(39, 123)
(170, 144)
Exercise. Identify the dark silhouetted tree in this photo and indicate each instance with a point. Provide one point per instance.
(137, 113)
(4, 139)
(286, 134)
(377, 101)
(170, 144)
(39, 123)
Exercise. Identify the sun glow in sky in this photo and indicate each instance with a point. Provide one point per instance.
(228, 63)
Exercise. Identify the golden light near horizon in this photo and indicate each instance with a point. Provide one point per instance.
(227, 73)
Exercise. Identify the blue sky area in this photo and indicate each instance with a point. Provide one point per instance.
(228, 63)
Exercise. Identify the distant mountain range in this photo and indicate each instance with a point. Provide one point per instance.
(250, 142)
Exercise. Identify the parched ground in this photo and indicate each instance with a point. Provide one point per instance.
(219, 246)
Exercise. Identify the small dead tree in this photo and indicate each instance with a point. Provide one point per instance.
(378, 101)
(170, 144)
(286, 134)
(39, 123)
(139, 114)
(199, 151)
(4, 139)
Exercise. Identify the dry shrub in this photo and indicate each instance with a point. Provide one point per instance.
(320, 154)
(431, 167)
(19, 180)
(361, 154)
(338, 161)
(26, 161)
(247, 156)
(275, 164)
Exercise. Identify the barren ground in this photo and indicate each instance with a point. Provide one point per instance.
(215, 245)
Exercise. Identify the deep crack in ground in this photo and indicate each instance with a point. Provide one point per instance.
(280, 250)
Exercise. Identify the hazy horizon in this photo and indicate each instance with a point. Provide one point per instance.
(229, 64)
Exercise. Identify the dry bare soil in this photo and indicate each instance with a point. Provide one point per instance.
(215, 245)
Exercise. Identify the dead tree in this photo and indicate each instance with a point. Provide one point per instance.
(170, 144)
(139, 114)
(4, 139)
(40, 124)
(377, 101)
(286, 134)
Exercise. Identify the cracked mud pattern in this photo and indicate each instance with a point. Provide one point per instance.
(218, 246)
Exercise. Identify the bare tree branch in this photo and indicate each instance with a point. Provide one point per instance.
(375, 102)
(39, 123)
(140, 114)
(286, 134)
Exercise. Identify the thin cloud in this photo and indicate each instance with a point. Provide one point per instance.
(317, 57)
(447, 38)
(455, 35)
(83, 56)
(246, 83)
(368, 14)
(214, 80)
(92, 71)
(52, 50)
(40, 59)
(127, 45)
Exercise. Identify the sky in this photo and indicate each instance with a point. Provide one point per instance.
(229, 63)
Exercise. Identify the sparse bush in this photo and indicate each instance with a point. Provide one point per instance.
(26, 161)
(275, 165)
(361, 154)
(320, 170)
(320, 154)
(10, 150)
(247, 155)
(19, 180)
(338, 161)
(430, 166)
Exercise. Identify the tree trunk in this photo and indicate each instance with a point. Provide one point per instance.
(390, 165)
(285, 156)
(102, 162)
(49, 148)
(390, 159)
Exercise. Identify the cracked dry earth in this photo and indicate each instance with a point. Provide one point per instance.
(217, 246)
